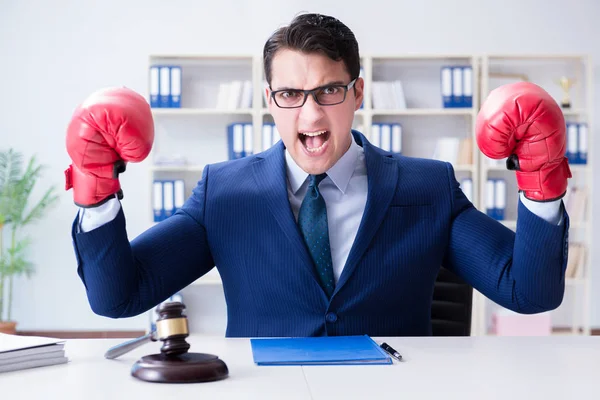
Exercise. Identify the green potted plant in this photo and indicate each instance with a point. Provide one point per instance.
(16, 213)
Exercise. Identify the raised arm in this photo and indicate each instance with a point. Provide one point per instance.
(523, 271)
(123, 278)
(109, 129)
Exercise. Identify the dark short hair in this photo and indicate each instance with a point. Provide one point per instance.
(312, 33)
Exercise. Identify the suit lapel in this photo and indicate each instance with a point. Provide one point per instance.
(382, 177)
(271, 179)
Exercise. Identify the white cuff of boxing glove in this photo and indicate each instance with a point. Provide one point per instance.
(549, 211)
(94, 217)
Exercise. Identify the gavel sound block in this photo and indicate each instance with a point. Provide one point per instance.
(174, 364)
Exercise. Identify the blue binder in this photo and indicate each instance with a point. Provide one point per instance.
(458, 97)
(467, 86)
(154, 86)
(572, 152)
(175, 86)
(164, 81)
(322, 350)
(577, 142)
(446, 86)
(235, 140)
(582, 143)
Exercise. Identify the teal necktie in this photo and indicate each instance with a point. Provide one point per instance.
(312, 220)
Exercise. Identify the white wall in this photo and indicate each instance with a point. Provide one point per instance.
(53, 56)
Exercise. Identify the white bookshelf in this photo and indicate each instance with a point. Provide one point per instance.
(197, 130)
(427, 112)
(424, 120)
(200, 111)
(544, 70)
(420, 77)
(423, 117)
(195, 134)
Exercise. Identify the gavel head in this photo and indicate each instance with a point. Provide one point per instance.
(172, 328)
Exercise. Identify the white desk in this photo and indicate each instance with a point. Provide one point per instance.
(434, 368)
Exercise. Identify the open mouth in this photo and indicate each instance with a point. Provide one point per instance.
(314, 142)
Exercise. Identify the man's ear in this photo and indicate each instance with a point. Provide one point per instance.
(359, 91)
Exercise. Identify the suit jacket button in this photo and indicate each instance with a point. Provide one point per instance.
(331, 317)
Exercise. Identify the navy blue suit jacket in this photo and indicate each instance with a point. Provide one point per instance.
(239, 219)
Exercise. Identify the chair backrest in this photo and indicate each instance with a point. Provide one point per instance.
(452, 305)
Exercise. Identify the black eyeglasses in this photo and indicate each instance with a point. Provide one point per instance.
(328, 95)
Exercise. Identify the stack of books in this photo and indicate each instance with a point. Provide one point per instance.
(23, 352)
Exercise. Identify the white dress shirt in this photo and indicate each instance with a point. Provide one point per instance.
(345, 194)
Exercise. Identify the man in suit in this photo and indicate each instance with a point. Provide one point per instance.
(324, 233)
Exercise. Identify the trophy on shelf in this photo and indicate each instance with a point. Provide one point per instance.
(566, 84)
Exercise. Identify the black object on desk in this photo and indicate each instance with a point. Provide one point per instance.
(391, 351)
(174, 364)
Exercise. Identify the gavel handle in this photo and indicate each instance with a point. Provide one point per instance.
(126, 347)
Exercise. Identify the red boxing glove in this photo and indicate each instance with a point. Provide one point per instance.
(523, 122)
(110, 128)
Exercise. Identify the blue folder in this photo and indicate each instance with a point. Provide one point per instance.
(326, 350)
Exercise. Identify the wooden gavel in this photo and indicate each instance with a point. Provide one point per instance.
(174, 364)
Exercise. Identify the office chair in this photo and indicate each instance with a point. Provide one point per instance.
(452, 305)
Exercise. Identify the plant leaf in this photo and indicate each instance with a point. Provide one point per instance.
(22, 189)
(16, 262)
(48, 200)
(16, 186)
(11, 167)
(11, 170)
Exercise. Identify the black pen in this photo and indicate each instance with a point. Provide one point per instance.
(391, 351)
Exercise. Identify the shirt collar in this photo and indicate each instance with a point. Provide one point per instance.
(340, 173)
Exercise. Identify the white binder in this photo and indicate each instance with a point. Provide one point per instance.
(376, 135)
(490, 197)
(165, 87)
(248, 139)
(446, 86)
(157, 201)
(582, 144)
(467, 86)
(386, 137)
(238, 140)
(500, 198)
(267, 136)
(154, 87)
(397, 138)
(175, 92)
(572, 142)
(457, 87)
(168, 200)
(179, 193)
